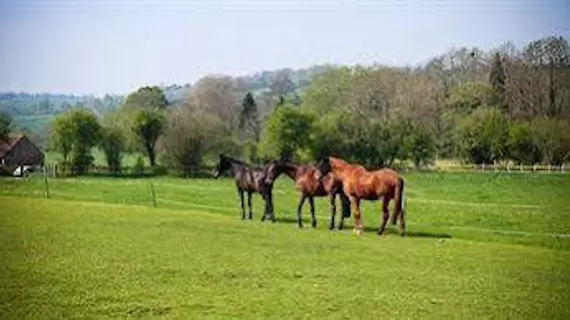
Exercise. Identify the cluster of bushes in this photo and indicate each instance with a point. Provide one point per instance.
(487, 136)
(299, 133)
(506, 105)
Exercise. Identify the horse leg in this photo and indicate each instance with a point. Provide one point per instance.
(314, 220)
(385, 215)
(355, 204)
(299, 210)
(333, 211)
(270, 204)
(240, 192)
(249, 205)
(345, 206)
(402, 223)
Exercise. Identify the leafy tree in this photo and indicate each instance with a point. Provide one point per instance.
(217, 95)
(281, 85)
(326, 136)
(418, 145)
(520, 143)
(482, 136)
(86, 134)
(287, 132)
(552, 137)
(147, 97)
(5, 124)
(470, 96)
(190, 136)
(148, 126)
(74, 134)
(113, 145)
(62, 136)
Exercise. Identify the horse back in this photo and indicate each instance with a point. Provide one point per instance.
(372, 185)
(250, 180)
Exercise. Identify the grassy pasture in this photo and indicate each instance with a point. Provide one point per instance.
(34, 123)
(480, 245)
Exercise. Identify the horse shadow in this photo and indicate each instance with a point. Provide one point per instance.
(410, 233)
(371, 229)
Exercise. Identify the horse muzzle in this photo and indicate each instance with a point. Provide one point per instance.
(319, 176)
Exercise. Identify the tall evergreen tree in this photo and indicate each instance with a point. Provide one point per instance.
(249, 117)
(497, 79)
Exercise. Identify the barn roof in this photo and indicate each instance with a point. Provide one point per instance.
(7, 144)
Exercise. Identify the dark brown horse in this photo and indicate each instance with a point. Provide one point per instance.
(310, 187)
(361, 184)
(250, 180)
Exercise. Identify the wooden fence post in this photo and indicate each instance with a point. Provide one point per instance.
(46, 184)
(153, 194)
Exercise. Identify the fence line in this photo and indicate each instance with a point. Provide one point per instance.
(501, 168)
(203, 171)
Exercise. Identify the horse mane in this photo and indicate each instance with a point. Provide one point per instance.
(234, 160)
(350, 166)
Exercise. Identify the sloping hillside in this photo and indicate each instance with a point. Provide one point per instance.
(33, 112)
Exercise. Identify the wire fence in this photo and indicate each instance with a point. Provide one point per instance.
(508, 167)
(207, 171)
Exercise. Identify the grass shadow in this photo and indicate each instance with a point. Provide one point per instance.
(292, 219)
(289, 219)
(410, 233)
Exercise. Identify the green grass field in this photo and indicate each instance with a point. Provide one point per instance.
(480, 245)
(34, 123)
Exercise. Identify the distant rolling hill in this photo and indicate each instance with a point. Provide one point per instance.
(32, 112)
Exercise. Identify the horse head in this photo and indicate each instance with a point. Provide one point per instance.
(223, 164)
(271, 171)
(323, 168)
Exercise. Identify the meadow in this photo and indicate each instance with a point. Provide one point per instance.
(479, 245)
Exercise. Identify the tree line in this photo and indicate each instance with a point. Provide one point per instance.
(508, 104)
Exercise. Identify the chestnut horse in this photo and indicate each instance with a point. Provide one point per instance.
(361, 184)
(309, 186)
(248, 180)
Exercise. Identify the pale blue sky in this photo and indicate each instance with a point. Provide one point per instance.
(100, 46)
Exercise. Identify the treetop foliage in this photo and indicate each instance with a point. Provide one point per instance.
(509, 104)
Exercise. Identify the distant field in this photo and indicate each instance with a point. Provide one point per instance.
(34, 123)
(129, 159)
(480, 245)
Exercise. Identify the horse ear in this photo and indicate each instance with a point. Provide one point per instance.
(284, 158)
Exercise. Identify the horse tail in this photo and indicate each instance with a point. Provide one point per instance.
(345, 203)
(399, 205)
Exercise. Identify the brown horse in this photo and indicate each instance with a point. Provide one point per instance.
(248, 180)
(310, 187)
(361, 184)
